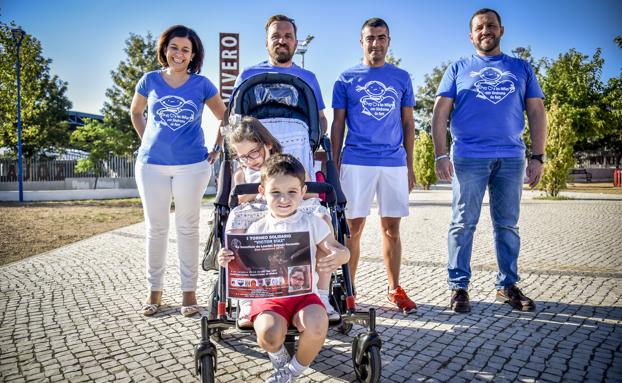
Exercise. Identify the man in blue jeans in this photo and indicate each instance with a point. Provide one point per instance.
(488, 94)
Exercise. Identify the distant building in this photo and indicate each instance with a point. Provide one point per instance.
(77, 118)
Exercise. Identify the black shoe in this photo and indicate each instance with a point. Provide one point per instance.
(515, 298)
(460, 301)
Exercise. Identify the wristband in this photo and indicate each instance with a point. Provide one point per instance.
(440, 157)
(217, 148)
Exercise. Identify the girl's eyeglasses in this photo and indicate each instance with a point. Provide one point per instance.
(252, 155)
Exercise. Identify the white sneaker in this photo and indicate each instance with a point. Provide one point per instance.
(282, 375)
(330, 310)
(279, 360)
(244, 312)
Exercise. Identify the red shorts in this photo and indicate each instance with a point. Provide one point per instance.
(285, 307)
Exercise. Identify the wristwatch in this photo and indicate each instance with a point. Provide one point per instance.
(537, 157)
(217, 148)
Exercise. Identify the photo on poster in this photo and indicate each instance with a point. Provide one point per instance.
(274, 265)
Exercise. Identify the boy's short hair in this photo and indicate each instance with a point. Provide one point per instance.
(282, 164)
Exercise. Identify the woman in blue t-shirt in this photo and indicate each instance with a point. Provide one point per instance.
(172, 159)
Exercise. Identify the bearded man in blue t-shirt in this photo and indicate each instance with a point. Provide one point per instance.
(281, 44)
(488, 93)
(376, 100)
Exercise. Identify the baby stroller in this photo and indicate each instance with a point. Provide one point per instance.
(287, 106)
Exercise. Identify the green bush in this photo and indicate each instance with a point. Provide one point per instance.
(423, 162)
(559, 148)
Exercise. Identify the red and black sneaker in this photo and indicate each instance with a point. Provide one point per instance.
(401, 300)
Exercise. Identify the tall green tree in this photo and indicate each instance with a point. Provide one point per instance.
(574, 80)
(141, 58)
(612, 104)
(44, 104)
(426, 95)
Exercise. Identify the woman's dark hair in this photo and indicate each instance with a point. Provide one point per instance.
(181, 31)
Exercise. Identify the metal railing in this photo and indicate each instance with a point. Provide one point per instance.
(59, 169)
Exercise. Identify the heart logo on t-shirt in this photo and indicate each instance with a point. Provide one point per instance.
(494, 92)
(378, 108)
(175, 112)
(379, 100)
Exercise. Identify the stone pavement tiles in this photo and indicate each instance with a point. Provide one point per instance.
(72, 314)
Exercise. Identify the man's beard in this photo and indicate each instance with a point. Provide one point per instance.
(281, 57)
(495, 44)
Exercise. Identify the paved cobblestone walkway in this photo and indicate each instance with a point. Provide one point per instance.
(72, 314)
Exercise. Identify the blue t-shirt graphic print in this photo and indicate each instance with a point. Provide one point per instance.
(173, 135)
(489, 94)
(373, 98)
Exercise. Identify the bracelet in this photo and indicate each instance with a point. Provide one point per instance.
(217, 148)
(440, 157)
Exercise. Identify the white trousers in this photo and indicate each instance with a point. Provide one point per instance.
(157, 184)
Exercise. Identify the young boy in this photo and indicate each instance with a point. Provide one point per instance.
(282, 186)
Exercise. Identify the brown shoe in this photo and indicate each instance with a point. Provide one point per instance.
(460, 301)
(515, 298)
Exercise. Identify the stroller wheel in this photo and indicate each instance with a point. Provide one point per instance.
(368, 371)
(207, 369)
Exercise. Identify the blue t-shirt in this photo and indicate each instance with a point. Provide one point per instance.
(294, 70)
(173, 135)
(373, 99)
(489, 95)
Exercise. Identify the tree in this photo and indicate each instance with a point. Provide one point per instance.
(561, 138)
(391, 59)
(141, 58)
(423, 163)
(44, 104)
(574, 81)
(100, 140)
(426, 95)
(612, 104)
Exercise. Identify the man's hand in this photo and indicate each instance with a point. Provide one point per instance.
(412, 180)
(444, 169)
(535, 169)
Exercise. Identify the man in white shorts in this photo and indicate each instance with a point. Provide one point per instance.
(376, 99)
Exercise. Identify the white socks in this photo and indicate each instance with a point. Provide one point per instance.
(295, 367)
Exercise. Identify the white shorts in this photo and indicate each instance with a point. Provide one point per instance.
(389, 184)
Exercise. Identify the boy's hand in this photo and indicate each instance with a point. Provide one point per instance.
(330, 262)
(224, 257)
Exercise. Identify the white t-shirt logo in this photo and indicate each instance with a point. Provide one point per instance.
(494, 85)
(378, 100)
(175, 112)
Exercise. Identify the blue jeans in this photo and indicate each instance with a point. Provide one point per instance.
(504, 179)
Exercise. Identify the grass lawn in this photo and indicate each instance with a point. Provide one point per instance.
(35, 227)
(593, 187)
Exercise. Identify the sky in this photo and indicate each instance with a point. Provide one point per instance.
(85, 38)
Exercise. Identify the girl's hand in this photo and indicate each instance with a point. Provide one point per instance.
(224, 257)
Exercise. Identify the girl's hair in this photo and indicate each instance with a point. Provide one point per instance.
(250, 129)
(181, 31)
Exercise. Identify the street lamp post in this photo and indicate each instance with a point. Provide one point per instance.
(18, 36)
(303, 45)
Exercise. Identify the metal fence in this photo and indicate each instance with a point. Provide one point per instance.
(59, 169)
